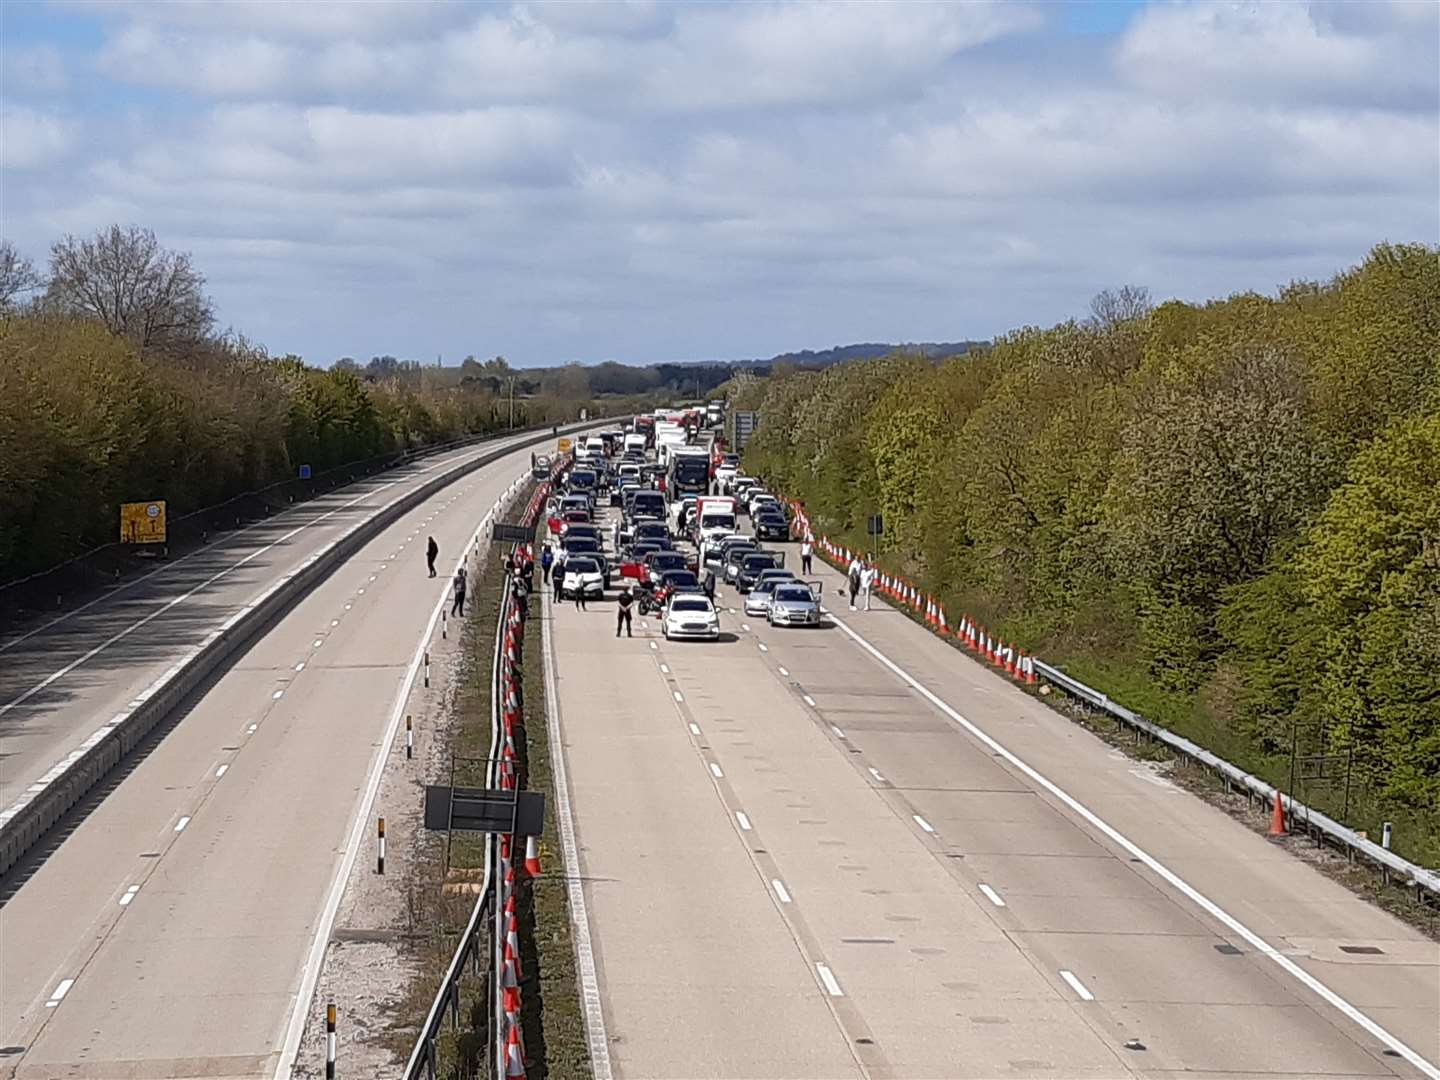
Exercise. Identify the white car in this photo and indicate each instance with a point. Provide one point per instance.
(758, 499)
(582, 573)
(689, 615)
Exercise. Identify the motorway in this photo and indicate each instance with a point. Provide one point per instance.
(168, 934)
(854, 852)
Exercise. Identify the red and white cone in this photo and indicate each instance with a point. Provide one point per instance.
(510, 968)
(514, 1060)
(532, 857)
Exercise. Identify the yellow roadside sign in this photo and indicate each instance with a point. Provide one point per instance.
(142, 522)
(563, 446)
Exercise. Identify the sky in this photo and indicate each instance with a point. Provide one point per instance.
(648, 181)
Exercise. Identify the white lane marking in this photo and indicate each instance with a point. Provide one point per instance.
(780, 890)
(838, 733)
(694, 729)
(743, 820)
(221, 771)
(277, 695)
(349, 606)
(129, 895)
(300, 666)
(1077, 986)
(876, 774)
(126, 631)
(383, 565)
(60, 992)
(809, 701)
(785, 673)
(180, 825)
(715, 771)
(644, 625)
(252, 728)
(300, 1009)
(992, 896)
(362, 592)
(652, 644)
(745, 626)
(764, 647)
(678, 696)
(665, 669)
(832, 987)
(923, 823)
(336, 622)
(317, 643)
(372, 577)
(595, 1032)
(1202, 901)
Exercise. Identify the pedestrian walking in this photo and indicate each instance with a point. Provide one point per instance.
(547, 558)
(867, 582)
(622, 612)
(527, 572)
(458, 607)
(557, 575)
(807, 551)
(432, 550)
(853, 581)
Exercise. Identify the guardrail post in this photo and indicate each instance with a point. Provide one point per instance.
(409, 738)
(1386, 831)
(427, 669)
(380, 859)
(330, 1041)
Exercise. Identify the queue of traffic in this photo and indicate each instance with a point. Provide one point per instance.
(659, 519)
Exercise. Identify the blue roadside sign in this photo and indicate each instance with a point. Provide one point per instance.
(304, 472)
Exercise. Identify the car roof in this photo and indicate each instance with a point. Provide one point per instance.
(796, 589)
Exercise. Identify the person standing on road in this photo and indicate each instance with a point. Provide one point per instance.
(807, 551)
(867, 582)
(852, 579)
(458, 607)
(622, 612)
(557, 575)
(615, 536)
(547, 557)
(432, 551)
(580, 596)
(527, 571)
(522, 597)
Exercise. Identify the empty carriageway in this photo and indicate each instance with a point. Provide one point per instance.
(852, 852)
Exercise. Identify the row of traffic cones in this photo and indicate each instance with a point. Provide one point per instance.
(901, 591)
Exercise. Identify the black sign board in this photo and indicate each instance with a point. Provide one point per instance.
(481, 810)
(511, 534)
(877, 525)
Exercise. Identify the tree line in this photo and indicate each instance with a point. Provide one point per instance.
(116, 387)
(1225, 514)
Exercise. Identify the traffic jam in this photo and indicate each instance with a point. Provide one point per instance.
(658, 516)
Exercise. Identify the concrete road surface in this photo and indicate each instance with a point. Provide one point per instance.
(58, 684)
(851, 851)
(168, 934)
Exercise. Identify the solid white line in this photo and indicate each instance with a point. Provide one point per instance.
(780, 890)
(180, 825)
(595, 1032)
(838, 733)
(694, 729)
(1077, 986)
(809, 701)
(876, 774)
(715, 771)
(129, 895)
(300, 1008)
(784, 673)
(60, 992)
(221, 771)
(923, 823)
(828, 978)
(743, 820)
(992, 896)
(1213, 909)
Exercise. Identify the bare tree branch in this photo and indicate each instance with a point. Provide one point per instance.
(18, 276)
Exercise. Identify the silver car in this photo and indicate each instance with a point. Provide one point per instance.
(794, 604)
(757, 600)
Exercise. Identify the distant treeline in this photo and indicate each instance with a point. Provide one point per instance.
(1227, 515)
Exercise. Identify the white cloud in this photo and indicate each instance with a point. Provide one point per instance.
(38, 71)
(33, 138)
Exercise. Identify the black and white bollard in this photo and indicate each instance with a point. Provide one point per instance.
(380, 860)
(427, 669)
(1385, 831)
(443, 625)
(330, 1041)
(409, 738)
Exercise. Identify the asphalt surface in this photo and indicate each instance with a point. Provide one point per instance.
(853, 851)
(59, 683)
(167, 933)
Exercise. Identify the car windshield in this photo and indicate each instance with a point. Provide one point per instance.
(689, 604)
(669, 560)
(581, 543)
(680, 579)
(718, 521)
(759, 562)
(582, 566)
(797, 593)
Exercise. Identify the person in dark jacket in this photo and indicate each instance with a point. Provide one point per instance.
(557, 575)
(432, 550)
(622, 612)
(458, 607)
(547, 559)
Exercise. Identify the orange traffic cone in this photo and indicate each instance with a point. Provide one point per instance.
(514, 1063)
(532, 857)
(1277, 817)
(1030, 670)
